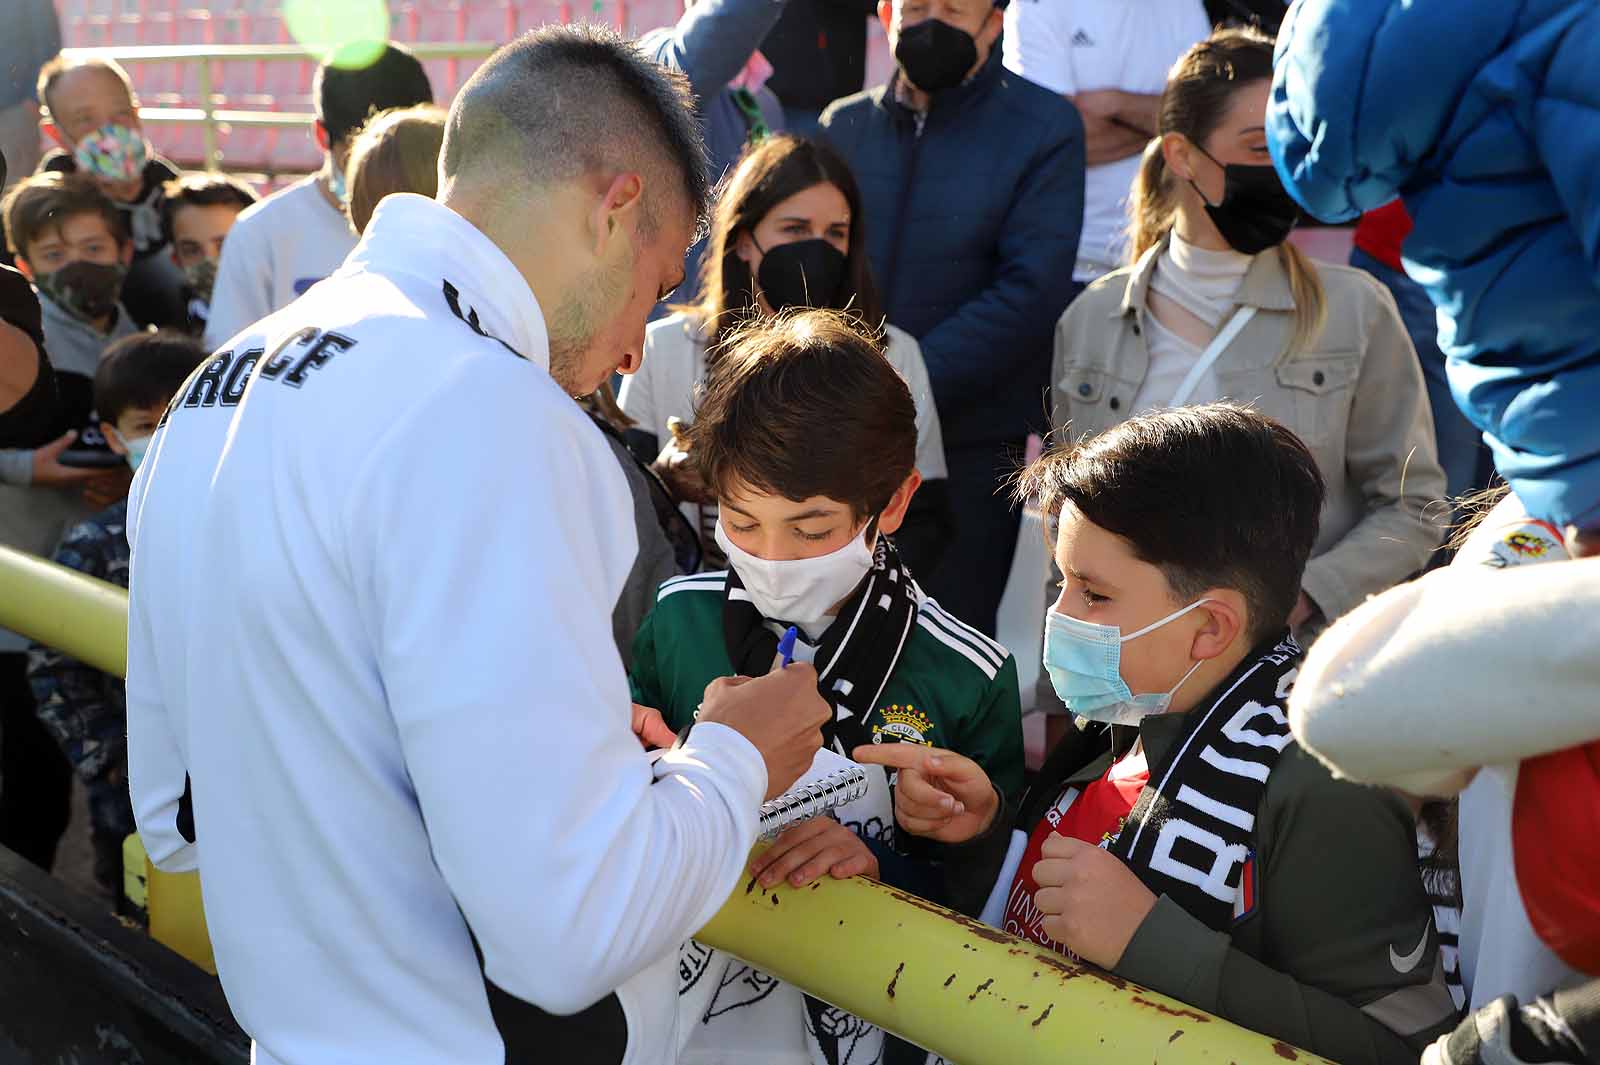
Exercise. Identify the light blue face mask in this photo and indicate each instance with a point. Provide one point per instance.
(336, 185)
(136, 448)
(1084, 661)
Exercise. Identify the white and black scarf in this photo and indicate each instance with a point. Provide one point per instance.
(1189, 834)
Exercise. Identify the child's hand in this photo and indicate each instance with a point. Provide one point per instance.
(651, 728)
(938, 794)
(807, 850)
(1093, 902)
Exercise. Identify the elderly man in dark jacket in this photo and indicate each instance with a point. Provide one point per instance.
(973, 184)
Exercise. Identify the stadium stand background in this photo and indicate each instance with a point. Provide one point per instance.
(286, 86)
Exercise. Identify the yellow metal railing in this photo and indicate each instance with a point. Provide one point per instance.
(208, 114)
(940, 980)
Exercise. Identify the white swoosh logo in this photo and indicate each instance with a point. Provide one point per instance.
(1404, 963)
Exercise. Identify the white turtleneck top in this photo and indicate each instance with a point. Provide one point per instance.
(1204, 283)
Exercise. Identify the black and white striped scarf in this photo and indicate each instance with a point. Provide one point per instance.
(1188, 836)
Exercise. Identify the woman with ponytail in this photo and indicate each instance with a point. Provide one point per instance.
(1216, 305)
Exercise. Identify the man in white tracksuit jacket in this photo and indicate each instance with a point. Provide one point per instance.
(372, 691)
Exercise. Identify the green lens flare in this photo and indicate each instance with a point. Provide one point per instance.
(350, 34)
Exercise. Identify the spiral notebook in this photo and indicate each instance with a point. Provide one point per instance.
(832, 781)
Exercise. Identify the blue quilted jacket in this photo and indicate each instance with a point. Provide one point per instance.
(1485, 119)
(972, 222)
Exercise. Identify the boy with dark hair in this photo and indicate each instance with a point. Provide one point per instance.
(196, 216)
(1191, 846)
(82, 708)
(807, 436)
(92, 114)
(295, 238)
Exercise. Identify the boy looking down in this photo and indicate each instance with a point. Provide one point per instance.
(807, 437)
(1179, 837)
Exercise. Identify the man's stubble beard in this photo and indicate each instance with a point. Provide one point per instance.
(587, 309)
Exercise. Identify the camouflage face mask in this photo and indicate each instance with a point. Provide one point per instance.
(202, 278)
(85, 290)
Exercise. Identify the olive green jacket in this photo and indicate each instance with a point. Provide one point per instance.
(1336, 952)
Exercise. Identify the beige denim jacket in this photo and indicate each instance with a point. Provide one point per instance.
(1357, 400)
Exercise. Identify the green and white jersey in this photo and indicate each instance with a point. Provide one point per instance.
(953, 687)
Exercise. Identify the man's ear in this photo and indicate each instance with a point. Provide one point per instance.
(320, 132)
(125, 252)
(22, 267)
(1227, 619)
(112, 439)
(622, 201)
(53, 131)
(894, 515)
(886, 17)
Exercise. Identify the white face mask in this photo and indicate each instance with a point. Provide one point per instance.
(800, 590)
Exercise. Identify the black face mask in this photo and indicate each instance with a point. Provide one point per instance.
(806, 273)
(1255, 213)
(936, 55)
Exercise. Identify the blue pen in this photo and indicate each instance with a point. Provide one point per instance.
(786, 645)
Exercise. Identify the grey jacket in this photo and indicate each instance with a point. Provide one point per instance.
(1357, 400)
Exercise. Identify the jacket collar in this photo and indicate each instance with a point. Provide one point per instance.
(947, 101)
(1265, 285)
(414, 236)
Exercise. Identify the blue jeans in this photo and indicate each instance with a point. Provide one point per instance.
(1462, 452)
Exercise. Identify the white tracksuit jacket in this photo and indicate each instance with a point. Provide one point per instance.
(372, 689)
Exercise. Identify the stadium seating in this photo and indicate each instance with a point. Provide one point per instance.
(286, 86)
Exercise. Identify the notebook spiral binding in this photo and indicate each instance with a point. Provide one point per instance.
(803, 803)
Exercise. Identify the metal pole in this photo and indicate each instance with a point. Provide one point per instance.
(940, 980)
(964, 990)
(62, 608)
(208, 105)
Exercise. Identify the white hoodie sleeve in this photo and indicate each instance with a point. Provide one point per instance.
(1463, 668)
(488, 599)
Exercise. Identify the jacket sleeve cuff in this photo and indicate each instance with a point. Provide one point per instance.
(16, 467)
(737, 765)
(1173, 953)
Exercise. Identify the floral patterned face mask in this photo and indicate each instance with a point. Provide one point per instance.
(113, 153)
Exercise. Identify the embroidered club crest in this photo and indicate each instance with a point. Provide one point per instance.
(905, 724)
(1527, 541)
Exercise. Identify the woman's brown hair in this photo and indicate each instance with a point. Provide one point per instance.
(397, 151)
(770, 172)
(1199, 89)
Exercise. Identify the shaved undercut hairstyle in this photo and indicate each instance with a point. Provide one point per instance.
(563, 101)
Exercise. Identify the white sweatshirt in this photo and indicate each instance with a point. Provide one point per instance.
(370, 621)
(276, 250)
